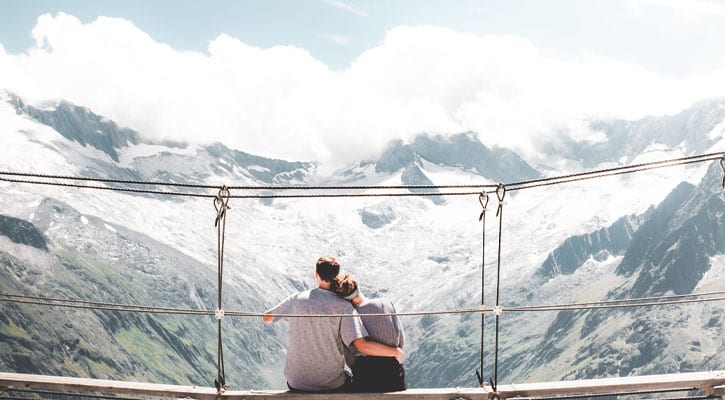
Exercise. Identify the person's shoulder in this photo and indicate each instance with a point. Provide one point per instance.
(380, 301)
(380, 304)
(303, 295)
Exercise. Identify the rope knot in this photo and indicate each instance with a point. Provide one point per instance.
(483, 199)
(221, 387)
(221, 204)
(500, 193)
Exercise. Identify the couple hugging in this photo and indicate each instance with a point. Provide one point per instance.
(320, 347)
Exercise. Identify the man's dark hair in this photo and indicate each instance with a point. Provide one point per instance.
(327, 268)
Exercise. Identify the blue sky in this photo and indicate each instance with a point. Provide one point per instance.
(332, 80)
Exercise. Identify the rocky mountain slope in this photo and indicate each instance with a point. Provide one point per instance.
(644, 234)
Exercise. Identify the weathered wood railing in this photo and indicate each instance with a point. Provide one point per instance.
(711, 383)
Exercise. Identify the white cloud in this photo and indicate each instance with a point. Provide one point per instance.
(347, 7)
(281, 102)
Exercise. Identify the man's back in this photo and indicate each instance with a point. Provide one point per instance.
(315, 360)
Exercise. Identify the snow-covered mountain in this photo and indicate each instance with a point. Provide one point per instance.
(649, 233)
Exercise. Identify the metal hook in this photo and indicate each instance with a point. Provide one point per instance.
(500, 193)
(221, 204)
(483, 199)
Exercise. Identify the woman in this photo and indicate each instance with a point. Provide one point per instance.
(374, 374)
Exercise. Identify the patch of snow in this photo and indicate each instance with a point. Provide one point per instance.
(84, 220)
(127, 155)
(452, 176)
(718, 132)
(109, 227)
(258, 168)
(49, 106)
(715, 276)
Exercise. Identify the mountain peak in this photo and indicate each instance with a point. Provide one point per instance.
(463, 150)
(78, 124)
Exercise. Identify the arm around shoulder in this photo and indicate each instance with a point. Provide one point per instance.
(373, 348)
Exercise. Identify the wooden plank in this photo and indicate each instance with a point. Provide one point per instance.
(690, 380)
(60, 383)
(410, 394)
(712, 382)
(719, 391)
(26, 381)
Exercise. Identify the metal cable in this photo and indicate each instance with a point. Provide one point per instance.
(93, 305)
(483, 200)
(511, 186)
(115, 189)
(343, 195)
(584, 178)
(603, 306)
(109, 180)
(78, 304)
(247, 187)
(501, 194)
(614, 171)
(245, 196)
(221, 204)
(629, 300)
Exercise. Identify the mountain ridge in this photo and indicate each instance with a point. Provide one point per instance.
(424, 255)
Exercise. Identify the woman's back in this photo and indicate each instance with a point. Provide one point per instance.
(383, 329)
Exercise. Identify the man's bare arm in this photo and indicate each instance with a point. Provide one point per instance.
(373, 348)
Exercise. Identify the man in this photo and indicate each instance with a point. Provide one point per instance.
(317, 345)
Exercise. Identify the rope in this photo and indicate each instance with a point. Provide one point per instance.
(483, 200)
(246, 196)
(108, 180)
(527, 184)
(500, 194)
(221, 204)
(613, 171)
(93, 305)
(602, 306)
(613, 304)
(115, 189)
(248, 187)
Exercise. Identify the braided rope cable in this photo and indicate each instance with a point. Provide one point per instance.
(13, 177)
(612, 304)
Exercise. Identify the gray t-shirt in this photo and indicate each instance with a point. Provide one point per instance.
(387, 330)
(315, 353)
